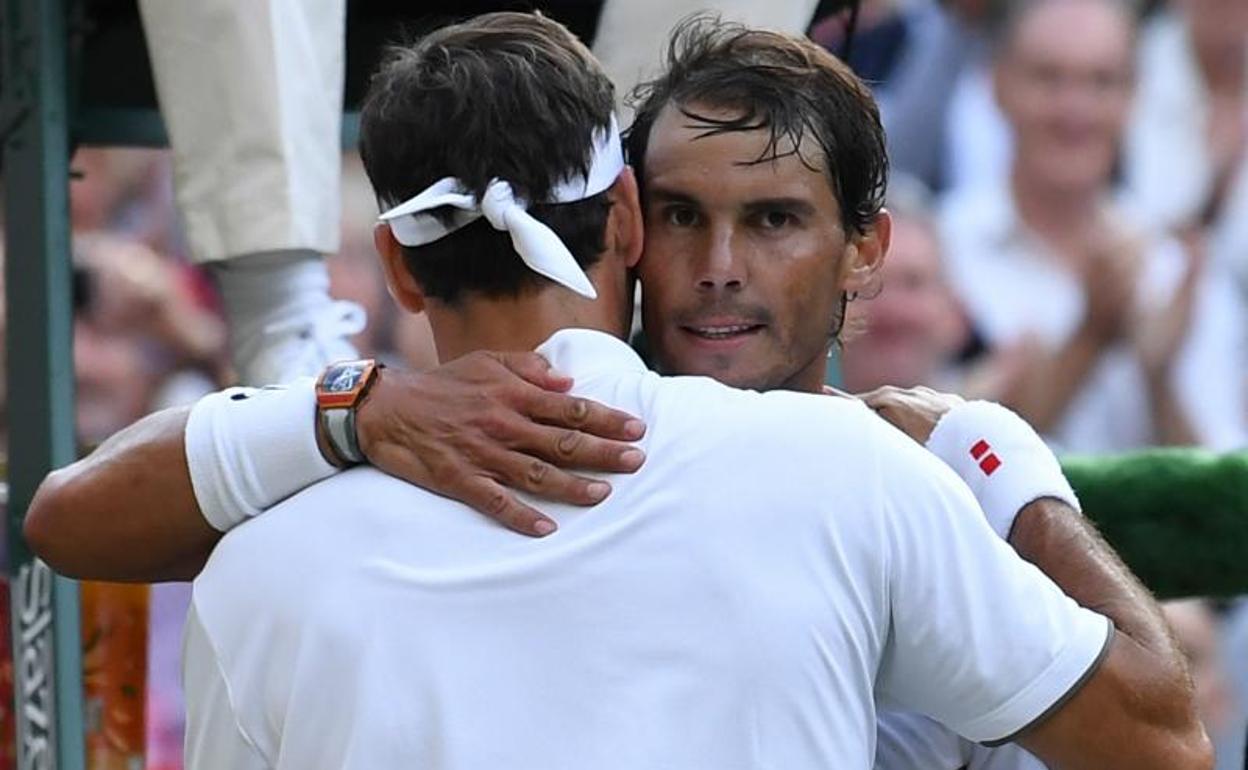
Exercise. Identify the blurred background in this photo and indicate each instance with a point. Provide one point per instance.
(1071, 238)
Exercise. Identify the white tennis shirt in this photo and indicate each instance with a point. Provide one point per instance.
(780, 564)
(909, 741)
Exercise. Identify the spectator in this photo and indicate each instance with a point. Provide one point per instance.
(133, 295)
(941, 41)
(907, 334)
(144, 337)
(1140, 337)
(914, 330)
(1185, 150)
(126, 192)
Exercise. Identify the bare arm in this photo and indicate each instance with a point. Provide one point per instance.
(473, 430)
(1137, 710)
(127, 511)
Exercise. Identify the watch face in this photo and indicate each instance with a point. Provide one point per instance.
(343, 378)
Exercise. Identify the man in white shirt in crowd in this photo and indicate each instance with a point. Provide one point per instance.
(1185, 159)
(1138, 340)
(689, 208)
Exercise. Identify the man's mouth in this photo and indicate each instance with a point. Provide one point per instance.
(717, 332)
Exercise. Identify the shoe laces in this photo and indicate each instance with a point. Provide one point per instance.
(325, 327)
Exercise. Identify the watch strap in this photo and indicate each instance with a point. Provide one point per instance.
(339, 426)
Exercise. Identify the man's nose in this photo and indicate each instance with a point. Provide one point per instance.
(721, 266)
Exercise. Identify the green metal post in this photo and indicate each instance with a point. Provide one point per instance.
(47, 645)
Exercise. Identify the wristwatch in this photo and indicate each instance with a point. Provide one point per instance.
(339, 392)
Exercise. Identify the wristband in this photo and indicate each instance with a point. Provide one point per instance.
(1001, 458)
(249, 448)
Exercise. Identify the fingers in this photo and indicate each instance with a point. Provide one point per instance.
(478, 486)
(552, 407)
(500, 504)
(494, 495)
(535, 369)
(487, 424)
(881, 397)
(583, 415)
(570, 448)
(538, 477)
(828, 390)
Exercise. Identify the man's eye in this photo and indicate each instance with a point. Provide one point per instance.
(774, 220)
(680, 216)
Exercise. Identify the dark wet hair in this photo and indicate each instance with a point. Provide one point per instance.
(508, 95)
(783, 84)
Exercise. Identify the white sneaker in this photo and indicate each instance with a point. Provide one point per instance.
(299, 346)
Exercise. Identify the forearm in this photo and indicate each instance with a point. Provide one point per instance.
(151, 502)
(1066, 547)
(1171, 425)
(1136, 710)
(1175, 516)
(1155, 688)
(1051, 382)
(127, 511)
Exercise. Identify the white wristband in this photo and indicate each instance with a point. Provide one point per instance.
(250, 448)
(1001, 458)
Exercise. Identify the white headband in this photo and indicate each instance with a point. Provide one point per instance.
(413, 224)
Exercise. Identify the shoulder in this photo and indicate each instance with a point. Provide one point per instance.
(301, 561)
(702, 406)
(301, 540)
(834, 435)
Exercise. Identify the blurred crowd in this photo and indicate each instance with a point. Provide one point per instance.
(1071, 238)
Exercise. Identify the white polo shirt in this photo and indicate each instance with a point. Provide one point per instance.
(780, 563)
(1012, 285)
(909, 741)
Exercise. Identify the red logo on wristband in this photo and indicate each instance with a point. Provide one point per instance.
(988, 462)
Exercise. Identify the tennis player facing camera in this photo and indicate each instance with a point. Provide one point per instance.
(742, 600)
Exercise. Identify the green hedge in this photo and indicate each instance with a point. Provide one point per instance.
(1178, 517)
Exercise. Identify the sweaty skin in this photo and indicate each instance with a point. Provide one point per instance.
(127, 511)
(1145, 670)
(1136, 711)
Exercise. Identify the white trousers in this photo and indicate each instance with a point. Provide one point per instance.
(251, 94)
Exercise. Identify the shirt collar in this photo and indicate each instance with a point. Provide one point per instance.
(586, 352)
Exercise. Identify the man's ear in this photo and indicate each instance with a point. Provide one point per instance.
(625, 230)
(866, 252)
(399, 280)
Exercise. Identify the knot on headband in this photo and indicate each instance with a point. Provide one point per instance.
(414, 224)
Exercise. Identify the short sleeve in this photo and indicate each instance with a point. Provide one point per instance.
(979, 639)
